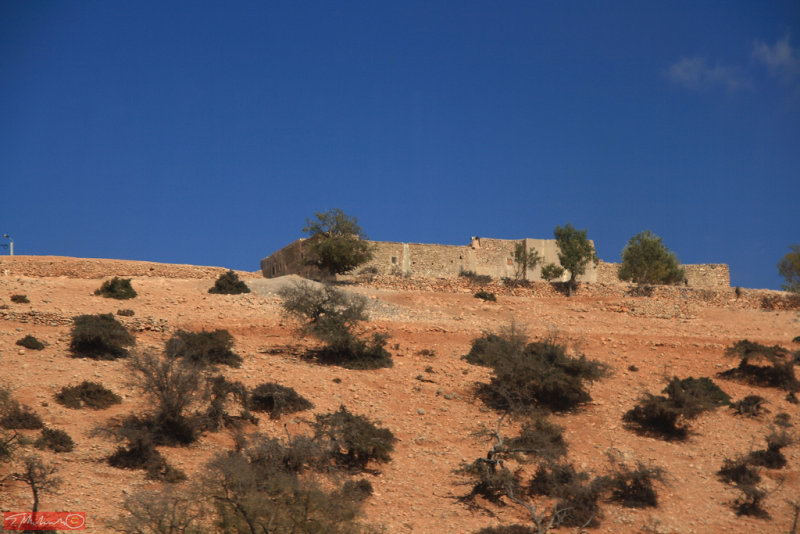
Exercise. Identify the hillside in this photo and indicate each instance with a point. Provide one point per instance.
(427, 398)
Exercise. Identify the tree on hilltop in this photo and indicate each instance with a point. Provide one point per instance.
(336, 242)
(646, 260)
(575, 251)
(789, 268)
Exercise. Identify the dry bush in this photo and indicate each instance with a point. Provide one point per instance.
(333, 316)
(54, 439)
(667, 417)
(527, 375)
(486, 296)
(141, 453)
(30, 342)
(171, 388)
(164, 511)
(203, 348)
(117, 288)
(778, 371)
(223, 393)
(228, 283)
(272, 487)
(89, 394)
(632, 487)
(15, 416)
(750, 406)
(355, 439)
(100, 337)
(490, 479)
(276, 400)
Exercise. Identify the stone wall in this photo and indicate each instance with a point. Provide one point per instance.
(711, 275)
(483, 256)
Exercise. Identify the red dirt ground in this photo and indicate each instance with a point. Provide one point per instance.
(678, 334)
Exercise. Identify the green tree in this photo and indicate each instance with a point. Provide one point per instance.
(336, 242)
(524, 261)
(789, 267)
(551, 271)
(575, 251)
(646, 260)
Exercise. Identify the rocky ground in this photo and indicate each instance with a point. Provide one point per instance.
(426, 398)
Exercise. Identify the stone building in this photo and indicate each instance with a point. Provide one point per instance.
(483, 256)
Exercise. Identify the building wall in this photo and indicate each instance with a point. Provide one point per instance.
(710, 275)
(492, 257)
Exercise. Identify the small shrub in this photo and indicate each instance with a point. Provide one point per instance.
(117, 288)
(16, 416)
(539, 437)
(484, 295)
(277, 400)
(796, 339)
(580, 507)
(657, 415)
(54, 439)
(491, 480)
(89, 394)
(739, 472)
(694, 396)
(352, 352)
(228, 283)
(751, 502)
(203, 348)
(666, 416)
(332, 316)
(556, 479)
(751, 406)
(142, 454)
(783, 420)
(126, 312)
(171, 389)
(577, 498)
(217, 412)
(475, 278)
(633, 488)
(778, 373)
(356, 440)
(100, 337)
(771, 457)
(20, 299)
(530, 374)
(163, 511)
(30, 342)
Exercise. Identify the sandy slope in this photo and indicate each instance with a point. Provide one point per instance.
(434, 418)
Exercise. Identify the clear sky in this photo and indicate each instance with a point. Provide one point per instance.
(206, 132)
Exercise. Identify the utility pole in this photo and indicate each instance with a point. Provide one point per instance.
(10, 244)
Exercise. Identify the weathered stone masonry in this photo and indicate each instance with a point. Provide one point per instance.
(483, 256)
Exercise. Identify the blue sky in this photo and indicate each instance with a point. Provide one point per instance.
(206, 132)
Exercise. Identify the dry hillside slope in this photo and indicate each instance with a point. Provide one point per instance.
(427, 398)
